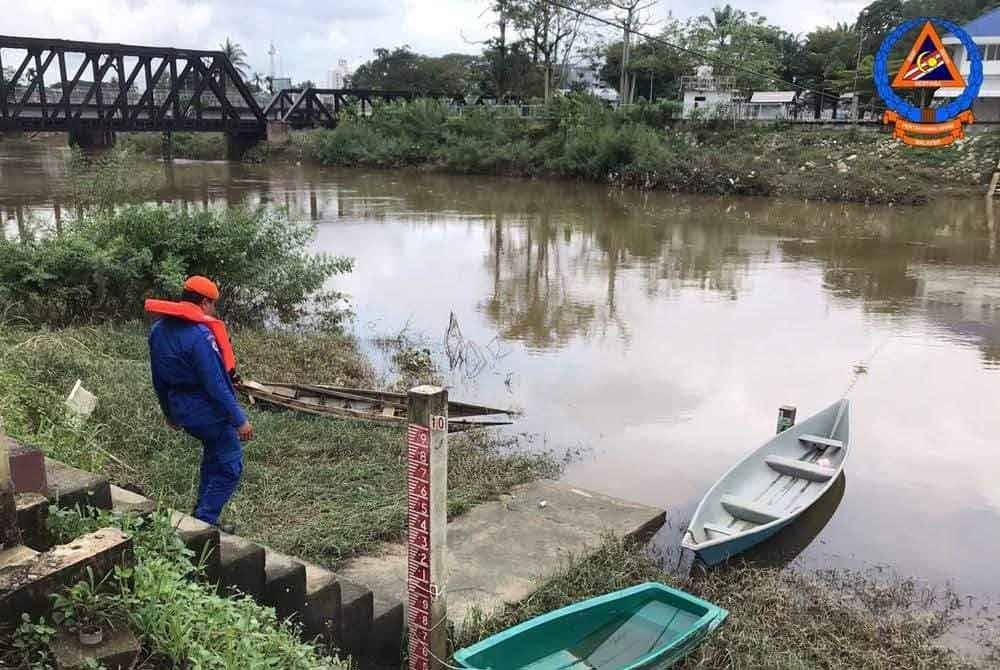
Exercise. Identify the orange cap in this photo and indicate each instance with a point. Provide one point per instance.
(203, 286)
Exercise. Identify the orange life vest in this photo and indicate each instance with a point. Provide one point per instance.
(191, 312)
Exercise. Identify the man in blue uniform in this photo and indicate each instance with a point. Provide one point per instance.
(196, 391)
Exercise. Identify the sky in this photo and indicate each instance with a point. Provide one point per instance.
(311, 36)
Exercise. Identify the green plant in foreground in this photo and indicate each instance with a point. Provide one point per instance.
(178, 620)
(27, 646)
(84, 605)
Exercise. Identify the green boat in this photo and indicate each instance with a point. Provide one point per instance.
(646, 627)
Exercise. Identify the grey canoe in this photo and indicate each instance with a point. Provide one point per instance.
(771, 487)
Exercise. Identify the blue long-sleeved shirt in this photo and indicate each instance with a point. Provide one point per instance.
(191, 382)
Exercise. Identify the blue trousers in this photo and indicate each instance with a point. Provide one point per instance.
(221, 468)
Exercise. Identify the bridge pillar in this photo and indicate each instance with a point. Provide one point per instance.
(278, 133)
(237, 144)
(91, 138)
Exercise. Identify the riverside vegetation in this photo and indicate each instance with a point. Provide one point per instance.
(778, 620)
(71, 308)
(641, 146)
(323, 490)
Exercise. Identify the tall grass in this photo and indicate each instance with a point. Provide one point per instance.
(314, 487)
(778, 620)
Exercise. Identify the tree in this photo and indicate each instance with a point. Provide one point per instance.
(654, 66)
(507, 70)
(742, 44)
(401, 69)
(634, 18)
(827, 52)
(550, 32)
(236, 55)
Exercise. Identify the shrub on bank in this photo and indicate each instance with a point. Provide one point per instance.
(106, 264)
(192, 146)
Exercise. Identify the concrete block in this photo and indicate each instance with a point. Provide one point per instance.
(118, 651)
(499, 552)
(69, 487)
(123, 500)
(385, 643)
(284, 584)
(32, 513)
(27, 582)
(322, 611)
(202, 539)
(27, 468)
(241, 567)
(278, 133)
(357, 607)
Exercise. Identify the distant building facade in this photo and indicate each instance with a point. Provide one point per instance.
(587, 78)
(339, 76)
(772, 105)
(985, 32)
(708, 96)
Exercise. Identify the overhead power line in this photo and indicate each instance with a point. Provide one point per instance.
(692, 52)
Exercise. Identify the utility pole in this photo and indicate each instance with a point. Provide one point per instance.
(857, 68)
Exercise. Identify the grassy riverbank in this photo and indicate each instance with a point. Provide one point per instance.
(316, 488)
(577, 138)
(777, 620)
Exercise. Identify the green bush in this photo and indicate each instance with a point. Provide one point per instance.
(106, 264)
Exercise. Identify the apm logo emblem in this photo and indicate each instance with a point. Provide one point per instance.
(928, 66)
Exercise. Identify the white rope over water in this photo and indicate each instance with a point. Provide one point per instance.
(861, 369)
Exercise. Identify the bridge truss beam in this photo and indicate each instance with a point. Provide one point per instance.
(117, 87)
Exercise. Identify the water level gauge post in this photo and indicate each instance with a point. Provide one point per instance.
(427, 495)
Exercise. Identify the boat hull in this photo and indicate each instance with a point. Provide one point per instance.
(646, 627)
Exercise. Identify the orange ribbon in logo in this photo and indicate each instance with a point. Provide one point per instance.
(947, 132)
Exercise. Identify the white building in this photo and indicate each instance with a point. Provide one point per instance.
(771, 105)
(985, 32)
(587, 78)
(708, 96)
(340, 76)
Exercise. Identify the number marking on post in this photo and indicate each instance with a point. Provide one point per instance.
(438, 422)
(419, 560)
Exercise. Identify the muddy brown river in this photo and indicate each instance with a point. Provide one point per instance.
(654, 336)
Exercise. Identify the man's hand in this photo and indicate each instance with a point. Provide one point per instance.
(245, 431)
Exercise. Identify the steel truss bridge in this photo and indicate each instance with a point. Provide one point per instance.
(92, 90)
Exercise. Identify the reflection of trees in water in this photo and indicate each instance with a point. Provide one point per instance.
(559, 249)
(556, 270)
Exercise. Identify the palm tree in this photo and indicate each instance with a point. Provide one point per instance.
(236, 55)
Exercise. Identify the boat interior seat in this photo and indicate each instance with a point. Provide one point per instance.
(801, 469)
(748, 510)
(716, 528)
(815, 441)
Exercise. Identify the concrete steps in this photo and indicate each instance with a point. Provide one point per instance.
(334, 611)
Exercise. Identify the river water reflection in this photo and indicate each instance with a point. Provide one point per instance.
(658, 334)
